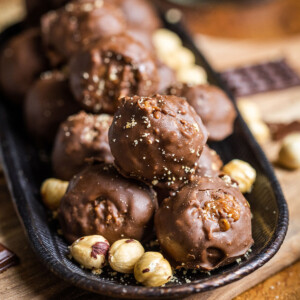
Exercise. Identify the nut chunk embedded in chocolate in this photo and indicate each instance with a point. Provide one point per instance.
(69, 29)
(111, 68)
(82, 136)
(212, 105)
(100, 201)
(157, 140)
(205, 225)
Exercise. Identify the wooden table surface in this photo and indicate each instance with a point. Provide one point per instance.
(30, 280)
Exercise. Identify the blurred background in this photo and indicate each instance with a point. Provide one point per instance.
(228, 18)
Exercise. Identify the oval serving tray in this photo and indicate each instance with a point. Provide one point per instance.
(25, 168)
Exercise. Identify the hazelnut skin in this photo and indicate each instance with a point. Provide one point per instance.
(124, 254)
(260, 131)
(52, 191)
(241, 172)
(249, 110)
(90, 251)
(152, 270)
(289, 154)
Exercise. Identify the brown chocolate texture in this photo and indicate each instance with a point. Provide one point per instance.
(205, 225)
(21, 62)
(48, 103)
(157, 140)
(100, 201)
(68, 29)
(81, 137)
(213, 106)
(114, 67)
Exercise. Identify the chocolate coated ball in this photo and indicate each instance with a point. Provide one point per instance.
(111, 68)
(48, 103)
(100, 201)
(80, 138)
(213, 106)
(157, 140)
(22, 61)
(205, 225)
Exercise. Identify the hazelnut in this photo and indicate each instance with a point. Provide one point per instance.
(241, 172)
(165, 41)
(193, 74)
(249, 110)
(124, 254)
(260, 130)
(90, 251)
(152, 269)
(289, 154)
(52, 190)
(179, 59)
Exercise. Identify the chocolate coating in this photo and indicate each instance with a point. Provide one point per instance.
(157, 139)
(142, 36)
(21, 62)
(108, 69)
(48, 103)
(205, 225)
(167, 77)
(78, 23)
(35, 8)
(209, 163)
(139, 14)
(100, 201)
(213, 106)
(81, 137)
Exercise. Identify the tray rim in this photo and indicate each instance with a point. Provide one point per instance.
(10, 162)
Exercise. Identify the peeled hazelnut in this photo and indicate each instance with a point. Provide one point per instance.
(152, 269)
(289, 154)
(260, 130)
(241, 172)
(179, 59)
(90, 251)
(193, 74)
(165, 41)
(249, 110)
(52, 190)
(124, 254)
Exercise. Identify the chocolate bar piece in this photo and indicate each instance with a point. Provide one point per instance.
(7, 259)
(281, 130)
(253, 79)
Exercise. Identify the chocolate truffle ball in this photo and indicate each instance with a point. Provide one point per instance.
(69, 29)
(205, 225)
(157, 139)
(108, 69)
(80, 138)
(142, 36)
(167, 77)
(48, 103)
(140, 14)
(21, 62)
(213, 106)
(100, 201)
(209, 163)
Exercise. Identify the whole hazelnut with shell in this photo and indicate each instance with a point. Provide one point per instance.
(152, 270)
(124, 254)
(90, 251)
